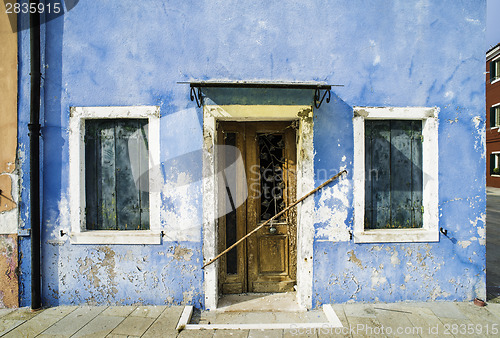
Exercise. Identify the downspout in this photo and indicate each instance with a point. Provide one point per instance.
(34, 134)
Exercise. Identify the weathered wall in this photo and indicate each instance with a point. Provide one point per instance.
(414, 57)
(385, 53)
(8, 174)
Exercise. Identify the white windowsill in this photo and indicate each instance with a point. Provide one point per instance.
(115, 237)
(495, 81)
(396, 236)
(493, 175)
(494, 127)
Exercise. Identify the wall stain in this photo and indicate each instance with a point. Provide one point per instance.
(8, 271)
(353, 258)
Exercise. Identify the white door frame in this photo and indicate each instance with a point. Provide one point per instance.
(305, 183)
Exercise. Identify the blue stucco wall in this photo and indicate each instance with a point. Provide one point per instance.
(385, 53)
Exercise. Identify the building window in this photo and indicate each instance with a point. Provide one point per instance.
(393, 172)
(395, 175)
(495, 116)
(495, 163)
(114, 190)
(494, 70)
(116, 175)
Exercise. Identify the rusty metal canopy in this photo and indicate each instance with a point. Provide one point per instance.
(196, 95)
(259, 84)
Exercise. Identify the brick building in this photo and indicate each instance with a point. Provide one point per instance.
(493, 117)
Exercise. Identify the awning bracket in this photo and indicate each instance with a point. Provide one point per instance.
(196, 86)
(317, 101)
(196, 96)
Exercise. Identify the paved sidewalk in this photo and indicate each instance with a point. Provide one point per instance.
(359, 320)
(493, 244)
(493, 191)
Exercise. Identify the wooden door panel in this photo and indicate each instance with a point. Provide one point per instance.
(273, 286)
(273, 254)
(231, 225)
(270, 268)
(266, 261)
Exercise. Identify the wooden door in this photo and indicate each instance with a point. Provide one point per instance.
(266, 261)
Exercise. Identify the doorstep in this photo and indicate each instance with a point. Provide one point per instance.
(258, 320)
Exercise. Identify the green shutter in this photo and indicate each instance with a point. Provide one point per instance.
(380, 207)
(114, 155)
(492, 117)
(106, 176)
(492, 71)
(91, 175)
(393, 164)
(370, 174)
(417, 175)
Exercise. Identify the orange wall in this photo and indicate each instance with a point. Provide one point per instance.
(8, 148)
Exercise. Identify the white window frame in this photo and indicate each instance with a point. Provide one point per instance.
(497, 60)
(79, 234)
(497, 118)
(430, 230)
(497, 161)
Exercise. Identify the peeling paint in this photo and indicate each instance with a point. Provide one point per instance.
(377, 278)
(464, 244)
(9, 271)
(480, 138)
(354, 259)
(180, 213)
(332, 212)
(10, 212)
(394, 259)
(481, 230)
(181, 254)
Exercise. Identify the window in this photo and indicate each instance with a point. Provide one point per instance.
(395, 175)
(494, 70)
(495, 163)
(393, 172)
(116, 189)
(114, 195)
(495, 116)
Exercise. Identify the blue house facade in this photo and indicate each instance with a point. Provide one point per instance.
(172, 128)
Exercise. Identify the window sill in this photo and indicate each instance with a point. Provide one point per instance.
(396, 236)
(115, 237)
(492, 175)
(495, 81)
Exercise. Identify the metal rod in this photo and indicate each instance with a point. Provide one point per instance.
(276, 216)
(245, 84)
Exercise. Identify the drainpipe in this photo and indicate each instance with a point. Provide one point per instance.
(34, 134)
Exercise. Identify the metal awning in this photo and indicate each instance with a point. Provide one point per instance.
(196, 87)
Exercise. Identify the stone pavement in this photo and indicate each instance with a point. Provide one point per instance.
(493, 244)
(431, 319)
